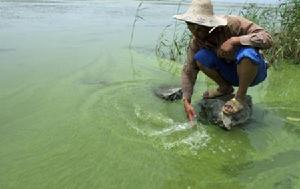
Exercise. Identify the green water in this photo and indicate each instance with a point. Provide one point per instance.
(77, 108)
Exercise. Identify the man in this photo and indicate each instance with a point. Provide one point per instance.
(226, 49)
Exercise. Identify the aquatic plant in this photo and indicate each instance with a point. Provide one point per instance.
(136, 18)
(266, 16)
(171, 46)
(173, 49)
(287, 42)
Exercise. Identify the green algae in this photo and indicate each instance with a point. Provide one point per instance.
(75, 115)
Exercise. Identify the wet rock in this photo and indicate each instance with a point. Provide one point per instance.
(211, 111)
(169, 93)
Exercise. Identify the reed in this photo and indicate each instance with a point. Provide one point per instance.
(136, 18)
(173, 49)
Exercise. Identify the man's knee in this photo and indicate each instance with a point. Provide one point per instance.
(251, 67)
(201, 66)
(249, 55)
(248, 63)
(206, 59)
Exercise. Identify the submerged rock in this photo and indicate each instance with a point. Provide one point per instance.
(169, 93)
(211, 111)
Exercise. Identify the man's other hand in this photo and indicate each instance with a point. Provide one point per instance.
(228, 47)
(189, 110)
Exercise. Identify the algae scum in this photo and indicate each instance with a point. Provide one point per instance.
(77, 108)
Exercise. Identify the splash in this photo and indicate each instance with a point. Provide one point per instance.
(170, 134)
(194, 142)
(173, 129)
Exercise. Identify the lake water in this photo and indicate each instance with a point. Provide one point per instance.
(77, 108)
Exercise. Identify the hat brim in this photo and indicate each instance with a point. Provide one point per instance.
(210, 21)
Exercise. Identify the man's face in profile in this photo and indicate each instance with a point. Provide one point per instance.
(199, 31)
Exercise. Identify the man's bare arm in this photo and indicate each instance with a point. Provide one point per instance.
(189, 72)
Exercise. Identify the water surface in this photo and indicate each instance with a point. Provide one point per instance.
(77, 108)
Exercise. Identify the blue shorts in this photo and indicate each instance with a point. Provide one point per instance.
(228, 70)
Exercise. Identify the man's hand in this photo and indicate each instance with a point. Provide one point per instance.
(189, 110)
(228, 47)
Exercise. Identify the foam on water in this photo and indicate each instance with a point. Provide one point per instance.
(172, 129)
(170, 133)
(155, 118)
(194, 142)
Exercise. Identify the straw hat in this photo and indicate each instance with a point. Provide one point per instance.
(201, 12)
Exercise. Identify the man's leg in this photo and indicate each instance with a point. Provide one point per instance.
(223, 86)
(247, 72)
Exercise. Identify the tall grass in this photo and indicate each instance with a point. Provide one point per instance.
(287, 43)
(173, 49)
(282, 21)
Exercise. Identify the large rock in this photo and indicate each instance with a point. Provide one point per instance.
(169, 93)
(211, 111)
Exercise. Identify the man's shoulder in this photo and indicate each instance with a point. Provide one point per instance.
(237, 23)
(234, 19)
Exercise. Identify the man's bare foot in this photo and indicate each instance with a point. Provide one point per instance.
(213, 93)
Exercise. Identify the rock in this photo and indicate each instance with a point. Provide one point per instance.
(211, 111)
(169, 93)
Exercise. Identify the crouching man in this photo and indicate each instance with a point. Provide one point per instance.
(226, 49)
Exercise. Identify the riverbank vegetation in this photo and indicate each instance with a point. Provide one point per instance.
(282, 21)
